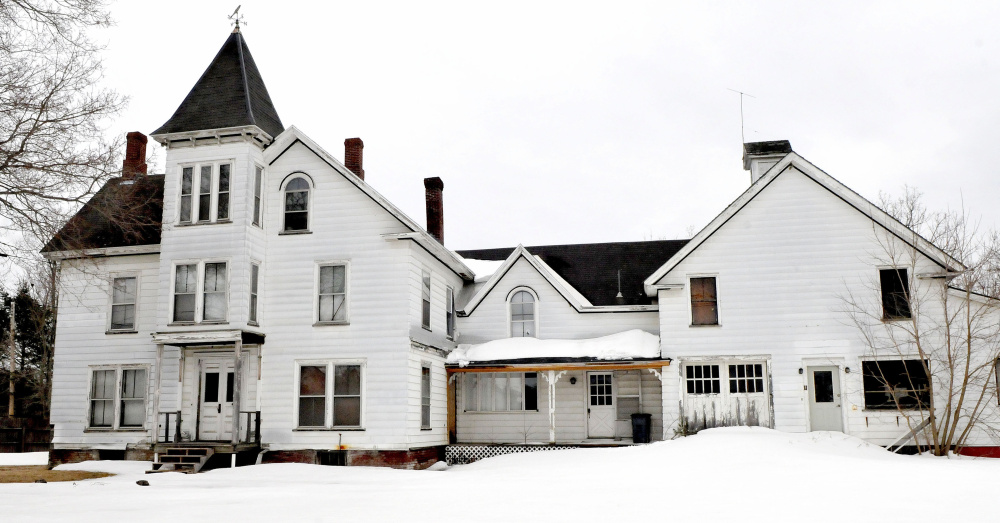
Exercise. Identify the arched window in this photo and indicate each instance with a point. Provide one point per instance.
(297, 205)
(522, 314)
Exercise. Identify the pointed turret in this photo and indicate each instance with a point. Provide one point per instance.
(230, 93)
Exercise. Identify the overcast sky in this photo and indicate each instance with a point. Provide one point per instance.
(576, 122)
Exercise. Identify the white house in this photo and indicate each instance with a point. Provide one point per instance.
(276, 307)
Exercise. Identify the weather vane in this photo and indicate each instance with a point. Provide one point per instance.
(237, 19)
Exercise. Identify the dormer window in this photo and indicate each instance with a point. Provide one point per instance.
(522, 314)
(205, 190)
(297, 205)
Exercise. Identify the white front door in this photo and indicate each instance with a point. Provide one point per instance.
(600, 405)
(824, 399)
(215, 412)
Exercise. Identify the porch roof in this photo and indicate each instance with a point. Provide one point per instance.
(558, 364)
(213, 337)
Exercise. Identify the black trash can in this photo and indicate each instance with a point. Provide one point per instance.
(641, 424)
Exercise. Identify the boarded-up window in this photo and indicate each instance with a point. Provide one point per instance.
(892, 384)
(895, 294)
(704, 302)
(702, 379)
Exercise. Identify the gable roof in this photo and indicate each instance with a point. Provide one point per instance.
(593, 268)
(124, 213)
(793, 161)
(417, 234)
(230, 93)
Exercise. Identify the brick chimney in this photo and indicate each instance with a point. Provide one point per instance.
(135, 155)
(435, 207)
(758, 157)
(352, 156)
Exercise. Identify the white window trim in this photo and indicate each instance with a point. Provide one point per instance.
(260, 284)
(199, 299)
(724, 364)
(257, 220)
(450, 312)
(310, 208)
(111, 301)
(213, 207)
(115, 426)
(424, 273)
(430, 395)
(328, 414)
(347, 291)
(510, 296)
(718, 299)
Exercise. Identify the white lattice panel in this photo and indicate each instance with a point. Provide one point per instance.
(462, 454)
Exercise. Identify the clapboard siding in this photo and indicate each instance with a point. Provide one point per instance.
(557, 319)
(784, 265)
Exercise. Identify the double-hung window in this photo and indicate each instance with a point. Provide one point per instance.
(205, 192)
(117, 398)
(258, 175)
(332, 299)
(522, 314)
(330, 395)
(296, 205)
(123, 302)
(425, 397)
(425, 300)
(500, 391)
(254, 286)
(201, 292)
(450, 313)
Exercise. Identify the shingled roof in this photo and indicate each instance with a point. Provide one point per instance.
(230, 93)
(592, 268)
(124, 213)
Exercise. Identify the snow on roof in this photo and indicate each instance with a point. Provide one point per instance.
(483, 268)
(622, 346)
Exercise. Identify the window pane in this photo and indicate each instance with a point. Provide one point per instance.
(224, 206)
(104, 385)
(124, 290)
(704, 314)
(425, 383)
(230, 386)
(516, 391)
(186, 208)
(184, 307)
(347, 412)
(215, 277)
(133, 383)
(204, 206)
(471, 393)
(133, 413)
(296, 201)
(296, 221)
(298, 184)
(500, 392)
(186, 278)
(339, 311)
(211, 387)
(823, 386)
(895, 293)
(102, 413)
(215, 306)
(122, 316)
(312, 411)
(485, 392)
(531, 391)
(891, 384)
(326, 308)
(256, 194)
(312, 381)
(347, 380)
(224, 177)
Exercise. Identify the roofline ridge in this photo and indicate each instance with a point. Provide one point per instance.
(243, 77)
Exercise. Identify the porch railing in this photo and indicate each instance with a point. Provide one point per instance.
(252, 427)
(174, 416)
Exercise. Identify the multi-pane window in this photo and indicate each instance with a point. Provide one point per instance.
(254, 285)
(601, 390)
(896, 384)
(425, 397)
(746, 377)
(522, 315)
(123, 299)
(702, 379)
(185, 291)
(118, 398)
(500, 391)
(450, 312)
(704, 302)
(425, 300)
(258, 176)
(215, 292)
(333, 293)
(205, 193)
(895, 294)
(297, 205)
(330, 395)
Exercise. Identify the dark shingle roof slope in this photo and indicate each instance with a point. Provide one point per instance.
(121, 214)
(592, 268)
(230, 93)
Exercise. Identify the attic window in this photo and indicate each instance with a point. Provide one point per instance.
(895, 294)
(704, 302)
(522, 315)
(297, 205)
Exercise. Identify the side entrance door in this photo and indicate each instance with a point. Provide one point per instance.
(600, 405)
(824, 399)
(215, 412)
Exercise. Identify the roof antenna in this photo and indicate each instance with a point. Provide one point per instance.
(619, 299)
(741, 93)
(237, 19)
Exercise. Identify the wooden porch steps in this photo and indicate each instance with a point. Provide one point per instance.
(189, 460)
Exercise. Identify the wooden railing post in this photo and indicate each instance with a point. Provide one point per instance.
(177, 429)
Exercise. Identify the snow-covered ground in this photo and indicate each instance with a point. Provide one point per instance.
(25, 458)
(736, 474)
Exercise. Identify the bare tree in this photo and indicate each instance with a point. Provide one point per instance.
(933, 333)
(53, 116)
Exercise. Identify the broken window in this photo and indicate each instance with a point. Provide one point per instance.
(332, 294)
(895, 294)
(746, 378)
(500, 391)
(704, 302)
(702, 379)
(892, 384)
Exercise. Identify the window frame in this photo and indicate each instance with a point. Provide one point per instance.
(426, 390)
(724, 379)
(691, 300)
(199, 305)
(253, 312)
(196, 193)
(257, 200)
(118, 399)
(111, 302)
(885, 300)
(309, 205)
(467, 376)
(449, 314)
(426, 298)
(347, 292)
(329, 396)
(510, 316)
(894, 406)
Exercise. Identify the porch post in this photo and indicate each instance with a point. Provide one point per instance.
(452, 406)
(238, 392)
(157, 378)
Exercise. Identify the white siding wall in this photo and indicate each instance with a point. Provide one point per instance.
(82, 342)
(784, 264)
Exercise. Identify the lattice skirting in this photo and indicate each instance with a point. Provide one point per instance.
(462, 454)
